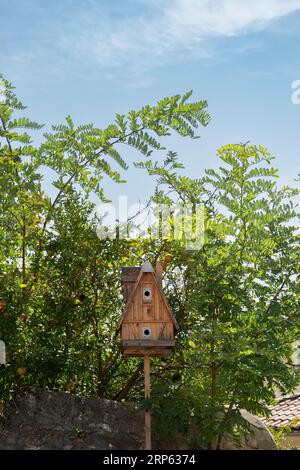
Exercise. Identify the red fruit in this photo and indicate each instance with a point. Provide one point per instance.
(2, 304)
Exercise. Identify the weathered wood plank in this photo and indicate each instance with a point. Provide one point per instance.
(130, 273)
(146, 321)
(149, 343)
(153, 352)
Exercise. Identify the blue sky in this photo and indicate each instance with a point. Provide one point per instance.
(96, 58)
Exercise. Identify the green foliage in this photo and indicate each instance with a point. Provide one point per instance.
(280, 435)
(79, 155)
(59, 284)
(236, 299)
(170, 420)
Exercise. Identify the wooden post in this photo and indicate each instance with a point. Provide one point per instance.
(147, 395)
(159, 271)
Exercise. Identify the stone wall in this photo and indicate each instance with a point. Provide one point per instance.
(258, 438)
(56, 420)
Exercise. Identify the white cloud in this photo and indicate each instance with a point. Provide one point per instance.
(166, 28)
(190, 20)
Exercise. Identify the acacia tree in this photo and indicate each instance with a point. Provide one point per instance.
(58, 282)
(237, 297)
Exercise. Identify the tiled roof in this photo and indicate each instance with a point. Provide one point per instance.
(286, 410)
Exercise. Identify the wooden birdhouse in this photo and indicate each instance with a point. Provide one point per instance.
(147, 326)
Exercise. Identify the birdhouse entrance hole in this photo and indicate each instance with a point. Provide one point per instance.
(147, 294)
(147, 332)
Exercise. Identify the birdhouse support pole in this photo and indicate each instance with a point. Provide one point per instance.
(147, 395)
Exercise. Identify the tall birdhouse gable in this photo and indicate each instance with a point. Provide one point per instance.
(147, 324)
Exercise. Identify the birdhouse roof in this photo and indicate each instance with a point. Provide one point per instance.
(147, 267)
(136, 274)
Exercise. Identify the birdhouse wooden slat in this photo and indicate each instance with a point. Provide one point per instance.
(129, 276)
(147, 326)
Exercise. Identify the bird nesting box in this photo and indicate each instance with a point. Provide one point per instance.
(147, 326)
